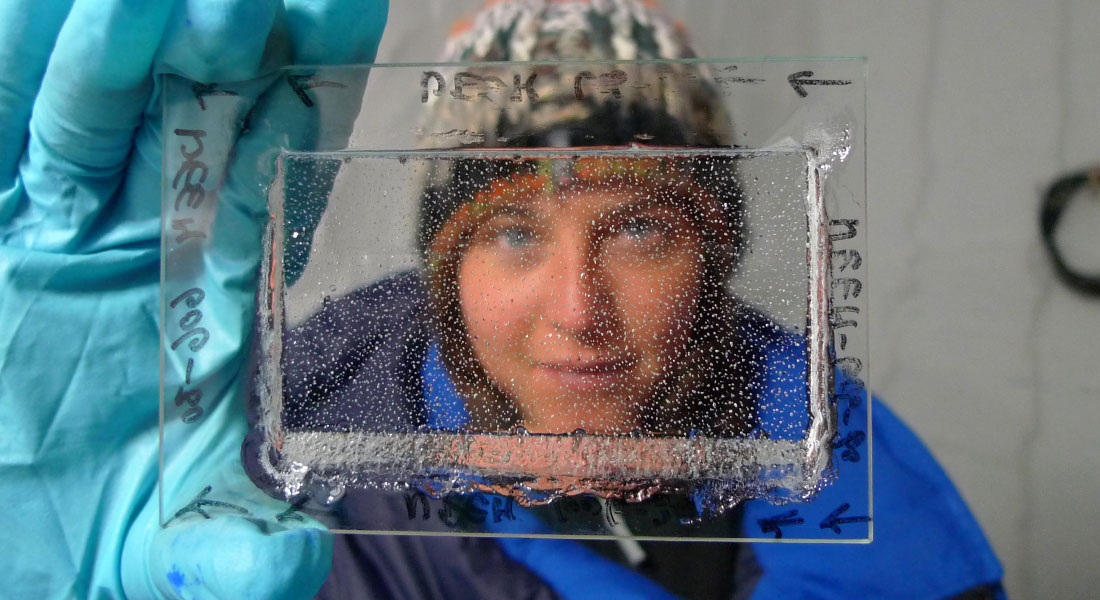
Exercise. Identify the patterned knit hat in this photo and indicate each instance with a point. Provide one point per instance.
(659, 104)
(590, 103)
(578, 30)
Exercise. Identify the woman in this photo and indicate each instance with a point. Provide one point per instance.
(560, 294)
(590, 294)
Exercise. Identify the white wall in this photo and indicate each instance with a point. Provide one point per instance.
(973, 107)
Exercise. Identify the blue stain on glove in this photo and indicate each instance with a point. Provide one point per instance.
(176, 579)
(80, 160)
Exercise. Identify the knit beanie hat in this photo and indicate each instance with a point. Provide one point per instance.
(601, 103)
(659, 104)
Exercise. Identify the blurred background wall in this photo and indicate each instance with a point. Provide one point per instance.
(973, 108)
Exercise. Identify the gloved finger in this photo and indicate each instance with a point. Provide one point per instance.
(310, 109)
(98, 88)
(97, 83)
(330, 32)
(303, 111)
(28, 29)
(224, 40)
(223, 539)
(234, 557)
(93, 94)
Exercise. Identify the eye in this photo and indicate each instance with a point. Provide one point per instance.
(640, 229)
(516, 237)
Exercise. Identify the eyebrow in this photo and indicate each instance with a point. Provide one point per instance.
(629, 207)
(512, 210)
(648, 202)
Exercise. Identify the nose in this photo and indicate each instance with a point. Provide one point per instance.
(577, 303)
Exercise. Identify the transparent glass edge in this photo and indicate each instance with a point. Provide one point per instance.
(640, 538)
(536, 63)
(867, 370)
(162, 304)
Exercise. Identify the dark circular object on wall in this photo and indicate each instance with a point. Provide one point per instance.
(1055, 200)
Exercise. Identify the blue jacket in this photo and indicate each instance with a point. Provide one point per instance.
(376, 345)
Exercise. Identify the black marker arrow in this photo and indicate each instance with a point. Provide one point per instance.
(200, 503)
(834, 520)
(301, 83)
(290, 513)
(208, 89)
(722, 80)
(799, 79)
(773, 524)
(850, 443)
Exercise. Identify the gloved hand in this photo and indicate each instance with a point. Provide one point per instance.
(80, 186)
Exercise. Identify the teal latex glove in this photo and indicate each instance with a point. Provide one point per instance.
(80, 185)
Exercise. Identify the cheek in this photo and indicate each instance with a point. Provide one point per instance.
(658, 302)
(495, 314)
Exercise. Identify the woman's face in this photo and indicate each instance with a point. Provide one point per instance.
(579, 303)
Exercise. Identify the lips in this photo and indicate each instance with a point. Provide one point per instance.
(587, 375)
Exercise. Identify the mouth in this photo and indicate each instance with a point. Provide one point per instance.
(588, 375)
